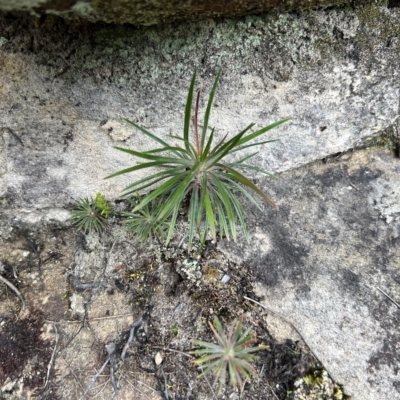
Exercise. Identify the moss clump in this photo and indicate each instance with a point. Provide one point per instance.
(317, 385)
(368, 13)
(388, 140)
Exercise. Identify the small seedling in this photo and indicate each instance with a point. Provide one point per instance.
(103, 205)
(89, 215)
(145, 223)
(232, 354)
(174, 329)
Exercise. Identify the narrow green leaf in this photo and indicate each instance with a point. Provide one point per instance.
(173, 223)
(239, 212)
(193, 207)
(188, 109)
(225, 199)
(134, 168)
(158, 158)
(161, 191)
(205, 152)
(192, 151)
(247, 166)
(210, 215)
(235, 185)
(128, 192)
(242, 160)
(224, 231)
(176, 149)
(200, 209)
(247, 182)
(154, 178)
(224, 149)
(261, 131)
(147, 133)
(254, 144)
(219, 144)
(178, 193)
(208, 110)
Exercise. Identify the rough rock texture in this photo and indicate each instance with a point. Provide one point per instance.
(150, 12)
(64, 89)
(325, 259)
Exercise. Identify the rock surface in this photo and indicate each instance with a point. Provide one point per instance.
(64, 90)
(327, 258)
(329, 262)
(150, 12)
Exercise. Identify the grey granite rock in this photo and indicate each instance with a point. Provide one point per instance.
(329, 261)
(323, 258)
(65, 89)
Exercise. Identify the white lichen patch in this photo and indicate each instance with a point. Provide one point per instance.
(385, 198)
(191, 270)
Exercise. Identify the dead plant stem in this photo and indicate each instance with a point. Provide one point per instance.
(394, 302)
(51, 362)
(17, 292)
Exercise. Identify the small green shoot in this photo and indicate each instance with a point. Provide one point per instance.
(232, 354)
(88, 216)
(174, 329)
(103, 205)
(145, 223)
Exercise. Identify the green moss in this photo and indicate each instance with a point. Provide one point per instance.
(371, 16)
(368, 13)
(387, 140)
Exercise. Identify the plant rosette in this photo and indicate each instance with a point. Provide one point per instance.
(198, 173)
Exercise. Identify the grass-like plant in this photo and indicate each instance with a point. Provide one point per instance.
(198, 173)
(145, 222)
(232, 354)
(91, 215)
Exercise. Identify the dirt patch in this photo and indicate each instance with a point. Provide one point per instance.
(102, 309)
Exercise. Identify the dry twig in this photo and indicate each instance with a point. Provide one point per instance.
(17, 292)
(272, 391)
(134, 327)
(135, 388)
(51, 362)
(111, 352)
(394, 302)
(92, 382)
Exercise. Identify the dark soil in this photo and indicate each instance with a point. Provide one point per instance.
(156, 285)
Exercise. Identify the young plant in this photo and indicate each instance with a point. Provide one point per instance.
(197, 172)
(103, 205)
(88, 216)
(145, 222)
(232, 354)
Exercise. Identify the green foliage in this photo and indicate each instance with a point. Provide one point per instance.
(318, 381)
(146, 223)
(174, 329)
(197, 172)
(103, 205)
(89, 216)
(232, 354)
(388, 140)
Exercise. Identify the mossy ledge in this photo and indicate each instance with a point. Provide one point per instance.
(150, 12)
